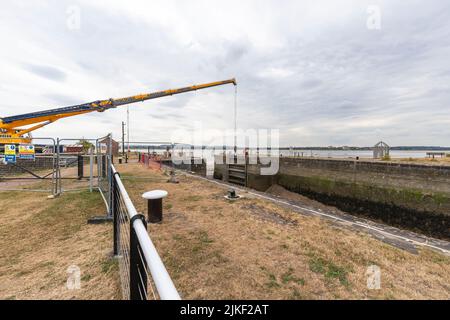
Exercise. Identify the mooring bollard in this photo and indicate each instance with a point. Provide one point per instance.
(155, 208)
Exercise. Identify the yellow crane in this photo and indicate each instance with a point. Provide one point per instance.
(12, 129)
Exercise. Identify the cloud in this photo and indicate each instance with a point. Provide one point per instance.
(311, 69)
(61, 99)
(47, 72)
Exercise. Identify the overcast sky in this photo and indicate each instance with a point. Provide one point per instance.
(313, 69)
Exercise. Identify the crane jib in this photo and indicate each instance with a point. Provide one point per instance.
(101, 105)
(31, 115)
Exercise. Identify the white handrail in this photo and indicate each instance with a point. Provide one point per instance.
(164, 285)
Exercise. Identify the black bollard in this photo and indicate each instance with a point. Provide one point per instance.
(154, 205)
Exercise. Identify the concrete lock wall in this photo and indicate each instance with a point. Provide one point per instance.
(408, 195)
(199, 168)
(418, 187)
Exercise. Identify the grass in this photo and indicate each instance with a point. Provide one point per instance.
(204, 238)
(110, 265)
(86, 278)
(289, 277)
(201, 241)
(272, 283)
(329, 270)
(192, 198)
(33, 265)
(296, 294)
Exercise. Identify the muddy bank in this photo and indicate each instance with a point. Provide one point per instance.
(429, 223)
(410, 196)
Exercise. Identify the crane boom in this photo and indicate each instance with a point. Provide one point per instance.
(11, 133)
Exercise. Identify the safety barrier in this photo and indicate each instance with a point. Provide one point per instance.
(151, 161)
(140, 265)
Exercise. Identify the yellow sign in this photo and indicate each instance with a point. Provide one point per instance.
(10, 149)
(26, 151)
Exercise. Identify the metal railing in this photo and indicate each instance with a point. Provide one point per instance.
(150, 161)
(140, 265)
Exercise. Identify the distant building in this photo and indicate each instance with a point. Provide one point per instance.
(380, 150)
(115, 146)
(73, 148)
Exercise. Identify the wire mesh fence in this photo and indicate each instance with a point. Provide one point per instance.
(151, 161)
(142, 273)
(57, 165)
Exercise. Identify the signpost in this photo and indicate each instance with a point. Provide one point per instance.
(26, 151)
(10, 153)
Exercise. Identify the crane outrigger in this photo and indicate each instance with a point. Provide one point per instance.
(12, 129)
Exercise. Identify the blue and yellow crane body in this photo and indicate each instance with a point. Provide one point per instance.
(13, 131)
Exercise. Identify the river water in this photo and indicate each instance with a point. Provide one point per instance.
(398, 154)
(340, 154)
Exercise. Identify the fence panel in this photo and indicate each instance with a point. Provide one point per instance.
(35, 173)
(151, 161)
(103, 147)
(142, 272)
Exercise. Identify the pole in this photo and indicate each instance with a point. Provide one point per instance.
(109, 162)
(80, 167)
(91, 168)
(58, 173)
(128, 130)
(54, 187)
(123, 139)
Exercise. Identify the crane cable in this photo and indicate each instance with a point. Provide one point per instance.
(235, 120)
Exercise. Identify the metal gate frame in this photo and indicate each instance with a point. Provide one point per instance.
(104, 162)
(104, 180)
(55, 165)
(92, 156)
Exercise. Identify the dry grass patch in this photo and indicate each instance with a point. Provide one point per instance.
(41, 238)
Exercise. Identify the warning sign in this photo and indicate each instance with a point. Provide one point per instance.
(26, 151)
(10, 153)
(103, 148)
(10, 149)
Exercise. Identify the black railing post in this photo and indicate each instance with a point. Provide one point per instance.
(115, 213)
(138, 266)
(110, 187)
